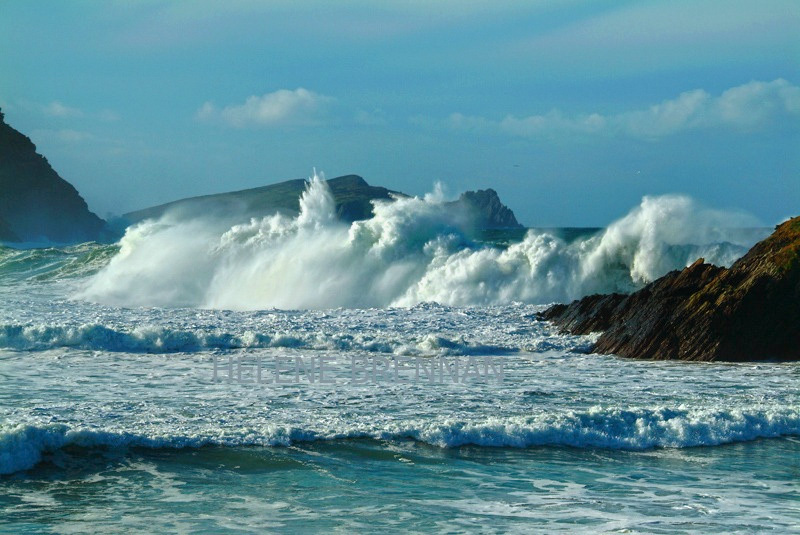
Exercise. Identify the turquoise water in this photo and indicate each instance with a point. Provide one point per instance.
(144, 442)
(363, 485)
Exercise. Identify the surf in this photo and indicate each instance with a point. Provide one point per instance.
(23, 445)
(412, 250)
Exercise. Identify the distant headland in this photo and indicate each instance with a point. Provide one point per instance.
(37, 205)
(352, 194)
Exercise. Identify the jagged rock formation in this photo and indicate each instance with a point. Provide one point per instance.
(749, 312)
(487, 210)
(35, 203)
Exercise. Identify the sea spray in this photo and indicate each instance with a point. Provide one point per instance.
(412, 250)
(661, 234)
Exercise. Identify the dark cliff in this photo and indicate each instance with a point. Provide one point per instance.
(6, 233)
(748, 312)
(35, 203)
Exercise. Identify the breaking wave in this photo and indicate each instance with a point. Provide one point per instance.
(159, 339)
(23, 446)
(412, 250)
(51, 263)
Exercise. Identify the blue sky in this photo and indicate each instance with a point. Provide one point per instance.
(571, 110)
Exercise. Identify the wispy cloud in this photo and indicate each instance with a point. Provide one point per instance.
(61, 136)
(282, 107)
(108, 116)
(57, 109)
(632, 37)
(158, 23)
(746, 107)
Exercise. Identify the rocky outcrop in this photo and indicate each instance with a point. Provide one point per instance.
(35, 203)
(749, 312)
(486, 210)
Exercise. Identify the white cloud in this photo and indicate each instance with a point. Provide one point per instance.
(690, 110)
(756, 103)
(746, 107)
(57, 109)
(282, 107)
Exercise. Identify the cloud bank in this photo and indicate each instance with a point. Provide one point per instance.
(747, 107)
(282, 107)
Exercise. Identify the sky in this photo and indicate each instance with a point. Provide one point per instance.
(572, 110)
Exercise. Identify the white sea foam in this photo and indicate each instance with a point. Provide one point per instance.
(159, 339)
(22, 446)
(413, 250)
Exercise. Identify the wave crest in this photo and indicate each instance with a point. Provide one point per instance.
(158, 339)
(22, 446)
(412, 250)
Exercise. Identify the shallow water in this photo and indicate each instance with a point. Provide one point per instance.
(566, 441)
(400, 486)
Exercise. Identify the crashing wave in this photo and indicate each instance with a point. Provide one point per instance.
(22, 446)
(413, 250)
(51, 263)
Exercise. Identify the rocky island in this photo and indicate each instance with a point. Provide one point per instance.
(352, 194)
(748, 312)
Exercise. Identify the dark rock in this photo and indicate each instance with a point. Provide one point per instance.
(591, 314)
(749, 312)
(35, 203)
(354, 197)
(6, 233)
(486, 210)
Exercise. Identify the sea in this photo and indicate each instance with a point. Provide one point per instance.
(295, 374)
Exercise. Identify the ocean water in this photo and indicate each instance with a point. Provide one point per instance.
(298, 374)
